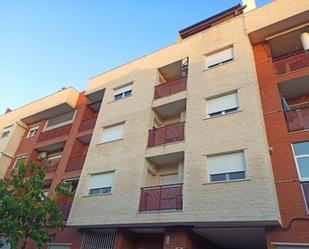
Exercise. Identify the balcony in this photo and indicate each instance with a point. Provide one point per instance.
(170, 87)
(87, 124)
(292, 62)
(75, 163)
(65, 210)
(52, 166)
(57, 132)
(297, 120)
(166, 134)
(160, 198)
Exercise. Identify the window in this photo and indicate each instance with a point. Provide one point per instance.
(226, 167)
(32, 131)
(301, 152)
(46, 187)
(63, 119)
(53, 158)
(169, 179)
(58, 246)
(74, 182)
(222, 105)
(101, 183)
(18, 160)
(6, 131)
(112, 133)
(220, 57)
(123, 92)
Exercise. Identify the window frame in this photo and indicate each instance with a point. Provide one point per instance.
(101, 192)
(31, 129)
(16, 163)
(218, 51)
(226, 111)
(71, 180)
(111, 126)
(6, 131)
(306, 179)
(123, 94)
(302, 180)
(227, 177)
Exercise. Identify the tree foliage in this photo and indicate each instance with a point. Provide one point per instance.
(25, 212)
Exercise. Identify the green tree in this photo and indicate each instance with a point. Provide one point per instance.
(25, 212)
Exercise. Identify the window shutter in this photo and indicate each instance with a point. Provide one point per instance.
(222, 56)
(226, 163)
(123, 89)
(222, 103)
(101, 180)
(112, 133)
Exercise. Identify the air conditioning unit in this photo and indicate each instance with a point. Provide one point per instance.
(42, 156)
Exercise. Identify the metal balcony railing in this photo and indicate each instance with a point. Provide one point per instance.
(297, 120)
(57, 132)
(166, 134)
(158, 198)
(75, 163)
(65, 209)
(87, 124)
(170, 87)
(292, 62)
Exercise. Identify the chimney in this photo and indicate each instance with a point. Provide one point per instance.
(251, 5)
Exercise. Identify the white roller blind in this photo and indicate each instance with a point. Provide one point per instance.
(101, 181)
(217, 58)
(112, 133)
(226, 163)
(222, 103)
(123, 89)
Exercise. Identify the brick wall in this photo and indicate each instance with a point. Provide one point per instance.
(290, 197)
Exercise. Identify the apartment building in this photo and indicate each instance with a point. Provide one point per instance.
(201, 144)
(179, 155)
(54, 131)
(281, 49)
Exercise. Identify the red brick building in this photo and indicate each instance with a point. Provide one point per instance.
(59, 138)
(282, 64)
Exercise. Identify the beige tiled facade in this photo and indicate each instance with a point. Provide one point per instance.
(251, 201)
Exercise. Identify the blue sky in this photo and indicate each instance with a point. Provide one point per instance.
(46, 45)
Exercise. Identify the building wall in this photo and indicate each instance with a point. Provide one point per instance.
(202, 201)
(275, 13)
(295, 220)
(8, 145)
(18, 144)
